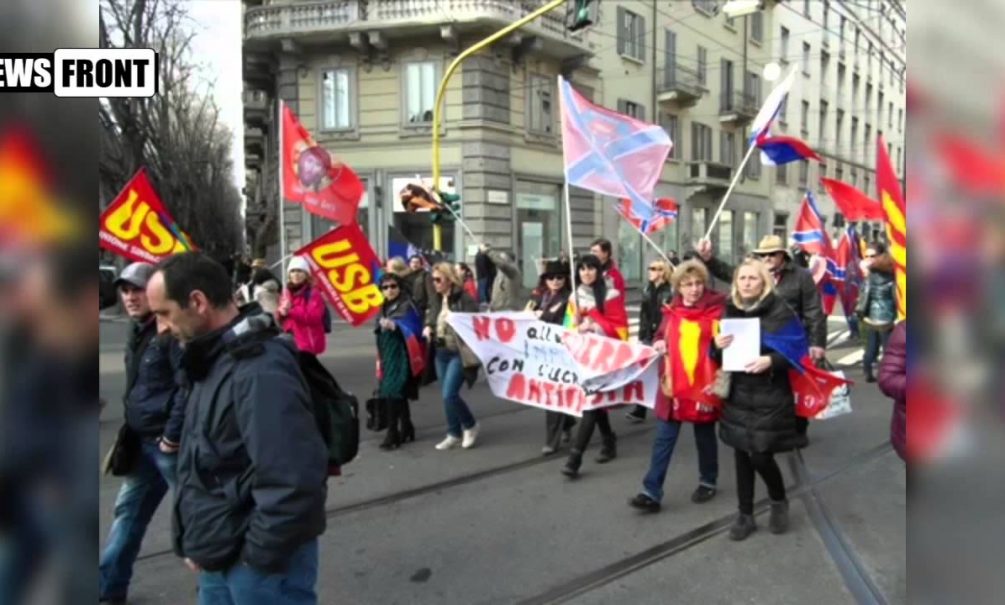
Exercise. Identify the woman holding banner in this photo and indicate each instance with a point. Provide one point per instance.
(549, 305)
(687, 375)
(601, 310)
(301, 309)
(454, 360)
(759, 413)
(400, 358)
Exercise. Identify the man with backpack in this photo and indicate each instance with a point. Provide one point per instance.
(252, 466)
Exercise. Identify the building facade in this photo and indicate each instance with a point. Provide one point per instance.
(362, 77)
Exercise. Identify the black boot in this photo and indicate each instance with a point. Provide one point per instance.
(609, 450)
(742, 527)
(778, 523)
(572, 464)
(407, 428)
(393, 438)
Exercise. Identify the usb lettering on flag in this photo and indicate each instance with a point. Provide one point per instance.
(610, 153)
(345, 268)
(136, 225)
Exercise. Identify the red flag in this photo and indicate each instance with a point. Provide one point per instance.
(975, 169)
(326, 187)
(895, 209)
(345, 268)
(813, 388)
(136, 225)
(853, 204)
(689, 335)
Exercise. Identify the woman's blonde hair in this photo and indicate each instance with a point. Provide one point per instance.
(397, 265)
(664, 268)
(762, 272)
(447, 270)
(686, 270)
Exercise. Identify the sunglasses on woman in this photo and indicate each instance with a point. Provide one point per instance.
(389, 287)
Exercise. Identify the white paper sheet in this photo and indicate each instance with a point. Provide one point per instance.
(746, 345)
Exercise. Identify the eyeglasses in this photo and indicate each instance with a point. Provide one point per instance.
(389, 287)
(437, 280)
(656, 268)
(550, 277)
(870, 256)
(768, 254)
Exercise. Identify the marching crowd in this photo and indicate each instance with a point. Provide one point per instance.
(217, 410)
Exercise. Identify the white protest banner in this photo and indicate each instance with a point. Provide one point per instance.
(532, 362)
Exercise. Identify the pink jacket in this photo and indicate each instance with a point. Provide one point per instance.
(305, 319)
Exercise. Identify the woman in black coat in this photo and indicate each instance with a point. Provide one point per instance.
(548, 305)
(759, 414)
(657, 293)
(399, 318)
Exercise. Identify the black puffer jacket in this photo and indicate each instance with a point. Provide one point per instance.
(651, 310)
(760, 413)
(252, 466)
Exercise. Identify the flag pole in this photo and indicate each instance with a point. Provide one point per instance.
(568, 229)
(658, 250)
(282, 193)
(736, 178)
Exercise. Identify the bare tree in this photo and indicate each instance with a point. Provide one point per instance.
(177, 135)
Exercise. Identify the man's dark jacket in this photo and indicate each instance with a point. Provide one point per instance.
(797, 289)
(252, 466)
(154, 403)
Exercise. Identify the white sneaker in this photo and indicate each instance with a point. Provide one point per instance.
(470, 435)
(449, 443)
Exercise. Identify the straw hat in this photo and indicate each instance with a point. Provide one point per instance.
(771, 244)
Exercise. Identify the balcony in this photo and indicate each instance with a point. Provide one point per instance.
(254, 140)
(323, 23)
(709, 174)
(680, 86)
(256, 106)
(252, 161)
(737, 108)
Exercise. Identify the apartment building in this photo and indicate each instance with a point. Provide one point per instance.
(850, 88)
(362, 76)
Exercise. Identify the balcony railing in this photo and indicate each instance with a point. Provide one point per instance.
(680, 84)
(738, 106)
(706, 172)
(323, 17)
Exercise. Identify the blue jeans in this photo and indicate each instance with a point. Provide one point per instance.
(874, 340)
(451, 374)
(141, 493)
(666, 439)
(244, 585)
(484, 289)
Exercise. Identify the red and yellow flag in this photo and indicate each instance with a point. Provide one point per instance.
(345, 269)
(689, 334)
(895, 210)
(138, 227)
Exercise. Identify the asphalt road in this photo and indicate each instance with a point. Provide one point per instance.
(499, 524)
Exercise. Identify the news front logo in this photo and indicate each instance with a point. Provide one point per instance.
(82, 72)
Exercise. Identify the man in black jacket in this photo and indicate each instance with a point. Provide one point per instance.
(154, 413)
(253, 465)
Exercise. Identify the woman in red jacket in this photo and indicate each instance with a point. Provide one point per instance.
(301, 309)
(686, 374)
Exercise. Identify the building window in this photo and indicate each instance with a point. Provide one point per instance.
(702, 65)
(699, 222)
(827, 17)
(671, 124)
(825, 63)
(706, 7)
(730, 22)
(823, 175)
(781, 226)
(823, 121)
(804, 172)
(900, 119)
(889, 115)
(631, 35)
(806, 59)
(806, 8)
(783, 111)
(854, 134)
(753, 87)
(753, 168)
(804, 119)
(724, 248)
(868, 140)
(631, 108)
(880, 109)
(420, 92)
(868, 98)
(841, 28)
(782, 174)
(757, 27)
(750, 220)
(854, 176)
(540, 111)
(840, 87)
(336, 99)
(727, 149)
(855, 82)
(783, 48)
(839, 126)
(701, 142)
(865, 187)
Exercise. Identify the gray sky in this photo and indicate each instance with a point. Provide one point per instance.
(216, 47)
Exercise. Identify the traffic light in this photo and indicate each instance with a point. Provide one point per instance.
(450, 202)
(579, 15)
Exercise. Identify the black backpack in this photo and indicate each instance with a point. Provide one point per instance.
(336, 412)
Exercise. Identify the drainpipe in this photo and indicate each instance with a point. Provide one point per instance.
(655, 111)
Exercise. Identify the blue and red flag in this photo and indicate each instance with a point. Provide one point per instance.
(410, 325)
(779, 149)
(610, 153)
(664, 213)
(809, 383)
(810, 232)
(847, 258)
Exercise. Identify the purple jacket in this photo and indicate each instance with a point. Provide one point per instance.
(893, 383)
